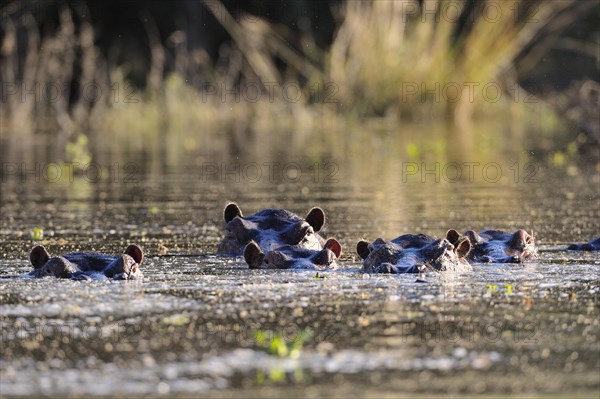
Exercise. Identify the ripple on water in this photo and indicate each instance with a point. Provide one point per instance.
(213, 372)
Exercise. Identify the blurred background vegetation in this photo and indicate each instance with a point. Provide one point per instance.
(143, 73)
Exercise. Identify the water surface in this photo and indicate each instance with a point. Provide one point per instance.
(200, 324)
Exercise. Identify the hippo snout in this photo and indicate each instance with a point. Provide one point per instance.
(123, 276)
(60, 267)
(388, 268)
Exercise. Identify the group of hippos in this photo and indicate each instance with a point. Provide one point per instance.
(279, 239)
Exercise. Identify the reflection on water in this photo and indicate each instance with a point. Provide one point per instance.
(191, 326)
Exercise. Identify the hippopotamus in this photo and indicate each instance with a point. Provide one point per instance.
(269, 229)
(501, 247)
(84, 265)
(593, 245)
(414, 253)
(294, 257)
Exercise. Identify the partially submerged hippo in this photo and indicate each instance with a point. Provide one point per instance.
(83, 265)
(294, 257)
(501, 247)
(270, 228)
(593, 245)
(414, 253)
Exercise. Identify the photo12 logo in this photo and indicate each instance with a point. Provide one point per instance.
(254, 172)
(454, 10)
(252, 92)
(59, 331)
(69, 171)
(468, 172)
(453, 92)
(470, 331)
(52, 92)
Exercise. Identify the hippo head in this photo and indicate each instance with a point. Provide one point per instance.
(121, 267)
(270, 228)
(521, 245)
(593, 245)
(293, 256)
(44, 265)
(379, 252)
(436, 254)
(126, 266)
(442, 255)
(501, 246)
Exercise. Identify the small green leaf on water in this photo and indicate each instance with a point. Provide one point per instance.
(412, 150)
(558, 159)
(154, 210)
(37, 234)
(277, 375)
(294, 353)
(261, 338)
(260, 377)
(176, 320)
(278, 346)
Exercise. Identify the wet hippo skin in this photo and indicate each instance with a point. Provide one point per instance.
(496, 246)
(269, 229)
(294, 257)
(593, 245)
(84, 265)
(414, 253)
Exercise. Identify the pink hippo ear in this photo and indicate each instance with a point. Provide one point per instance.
(316, 218)
(463, 247)
(334, 246)
(136, 253)
(253, 255)
(362, 248)
(231, 211)
(452, 236)
(38, 256)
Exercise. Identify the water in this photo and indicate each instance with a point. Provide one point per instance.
(201, 324)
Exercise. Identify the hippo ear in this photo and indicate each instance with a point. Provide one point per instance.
(231, 211)
(463, 247)
(473, 236)
(136, 253)
(38, 256)
(334, 246)
(316, 218)
(362, 248)
(253, 255)
(452, 236)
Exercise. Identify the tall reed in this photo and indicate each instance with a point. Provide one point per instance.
(404, 58)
